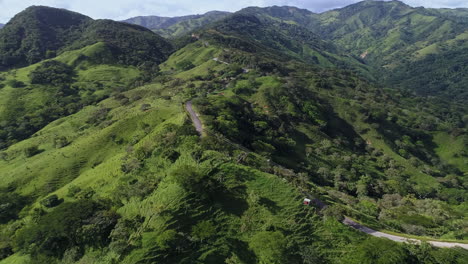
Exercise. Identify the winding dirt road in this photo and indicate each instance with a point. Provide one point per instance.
(194, 116)
(347, 221)
(400, 239)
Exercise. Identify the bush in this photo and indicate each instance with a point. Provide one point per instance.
(270, 247)
(52, 72)
(32, 151)
(203, 230)
(51, 201)
(60, 142)
(185, 65)
(15, 83)
(82, 224)
(10, 206)
(374, 250)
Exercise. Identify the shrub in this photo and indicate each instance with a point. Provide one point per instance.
(52, 72)
(145, 107)
(203, 230)
(270, 247)
(32, 151)
(185, 65)
(51, 201)
(10, 205)
(82, 224)
(16, 84)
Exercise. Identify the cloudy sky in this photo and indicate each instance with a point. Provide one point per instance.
(121, 9)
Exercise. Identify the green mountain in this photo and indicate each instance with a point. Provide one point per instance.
(403, 43)
(398, 41)
(42, 32)
(460, 13)
(171, 27)
(100, 161)
(31, 99)
(260, 33)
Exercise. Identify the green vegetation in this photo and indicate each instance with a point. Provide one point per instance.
(100, 162)
(173, 27)
(52, 31)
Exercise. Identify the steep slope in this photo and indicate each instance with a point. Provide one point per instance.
(39, 33)
(96, 58)
(418, 49)
(255, 31)
(31, 34)
(130, 44)
(285, 14)
(172, 27)
(458, 13)
(409, 45)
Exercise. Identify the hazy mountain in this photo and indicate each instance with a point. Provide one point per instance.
(176, 26)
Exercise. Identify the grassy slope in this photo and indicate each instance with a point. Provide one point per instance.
(93, 81)
(93, 160)
(91, 147)
(448, 147)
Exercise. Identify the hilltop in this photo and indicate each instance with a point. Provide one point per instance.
(40, 33)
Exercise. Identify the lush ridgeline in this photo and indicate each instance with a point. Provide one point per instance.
(40, 33)
(100, 163)
(172, 27)
(421, 50)
(415, 48)
(34, 96)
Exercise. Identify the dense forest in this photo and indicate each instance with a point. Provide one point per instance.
(100, 161)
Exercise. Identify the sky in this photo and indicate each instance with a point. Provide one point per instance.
(122, 9)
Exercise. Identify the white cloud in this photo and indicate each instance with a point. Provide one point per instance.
(438, 3)
(121, 9)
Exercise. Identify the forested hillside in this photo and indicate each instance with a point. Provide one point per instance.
(40, 33)
(171, 27)
(100, 162)
(415, 48)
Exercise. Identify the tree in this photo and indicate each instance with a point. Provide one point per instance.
(377, 251)
(270, 247)
(51, 201)
(203, 230)
(15, 83)
(363, 185)
(32, 151)
(52, 72)
(82, 223)
(10, 205)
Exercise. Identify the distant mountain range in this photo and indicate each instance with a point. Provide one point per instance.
(176, 26)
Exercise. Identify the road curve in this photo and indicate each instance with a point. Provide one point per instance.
(400, 239)
(195, 119)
